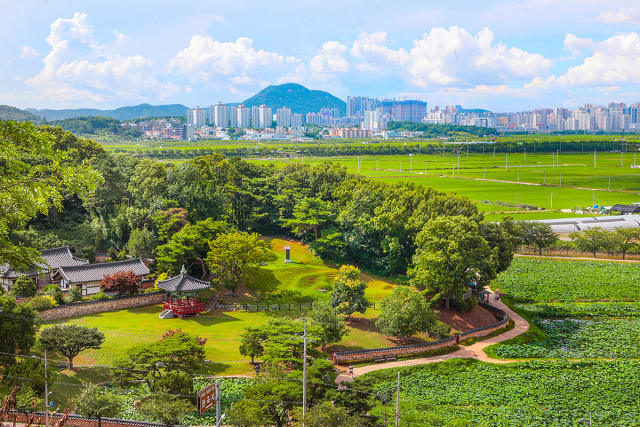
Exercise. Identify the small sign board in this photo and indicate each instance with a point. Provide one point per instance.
(397, 415)
(206, 398)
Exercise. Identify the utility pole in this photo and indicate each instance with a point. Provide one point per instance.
(411, 160)
(553, 161)
(494, 152)
(621, 159)
(398, 401)
(218, 402)
(304, 376)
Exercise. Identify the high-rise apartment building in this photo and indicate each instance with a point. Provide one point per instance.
(232, 113)
(408, 110)
(220, 115)
(197, 117)
(262, 117)
(371, 120)
(333, 112)
(296, 120)
(187, 131)
(283, 117)
(243, 116)
(357, 105)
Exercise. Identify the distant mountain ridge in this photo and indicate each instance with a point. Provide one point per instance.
(296, 97)
(122, 113)
(12, 113)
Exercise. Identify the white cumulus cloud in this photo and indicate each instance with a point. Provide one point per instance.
(614, 62)
(29, 52)
(206, 60)
(454, 57)
(77, 69)
(623, 15)
(219, 18)
(330, 61)
(372, 50)
(575, 44)
(120, 38)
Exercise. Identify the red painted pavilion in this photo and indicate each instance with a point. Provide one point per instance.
(183, 295)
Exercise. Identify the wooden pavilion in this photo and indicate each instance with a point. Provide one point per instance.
(183, 295)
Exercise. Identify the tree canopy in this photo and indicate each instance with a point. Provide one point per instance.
(348, 292)
(71, 340)
(405, 313)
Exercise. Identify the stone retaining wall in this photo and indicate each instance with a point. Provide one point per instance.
(113, 304)
(348, 356)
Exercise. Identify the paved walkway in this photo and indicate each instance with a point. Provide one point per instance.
(474, 351)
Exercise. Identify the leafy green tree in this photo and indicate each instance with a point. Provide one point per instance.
(26, 400)
(29, 371)
(333, 327)
(246, 413)
(42, 302)
(189, 245)
(142, 243)
(504, 236)
(74, 294)
(252, 342)
(348, 295)
(170, 222)
(164, 408)
(538, 234)
(451, 255)
(626, 240)
(176, 351)
(71, 340)
(96, 402)
(309, 214)
(24, 287)
(232, 255)
(35, 178)
(406, 312)
(19, 324)
(590, 240)
(328, 415)
(148, 183)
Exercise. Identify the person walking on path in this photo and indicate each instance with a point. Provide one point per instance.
(351, 371)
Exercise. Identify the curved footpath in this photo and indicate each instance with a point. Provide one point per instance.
(474, 351)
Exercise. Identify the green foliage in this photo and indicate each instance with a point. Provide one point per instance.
(452, 255)
(405, 313)
(18, 327)
(328, 415)
(29, 371)
(70, 340)
(12, 113)
(51, 289)
(252, 343)
(26, 400)
(333, 327)
(348, 292)
(24, 287)
(74, 294)
(465, 306)
(232, 255)
(36, 178)
(95, 402)
(591, 240)
(431, 131)
(527, 394)
(296, 97)
(100, 296)
(142, 243)
(174, 383)
(538, 234)
(540, 280)
(176, 351)
(309, 214)
(170, 222)
(164, 408)
(42, 302)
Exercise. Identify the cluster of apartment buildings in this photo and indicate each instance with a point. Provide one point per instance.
(613, 117)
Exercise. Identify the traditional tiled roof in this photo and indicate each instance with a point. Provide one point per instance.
(55, 258)
(96, 272)
(183, 283)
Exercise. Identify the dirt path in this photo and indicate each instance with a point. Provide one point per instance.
(474, 351)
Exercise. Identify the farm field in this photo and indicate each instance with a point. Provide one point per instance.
(549, 393)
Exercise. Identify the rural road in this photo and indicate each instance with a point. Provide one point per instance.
(474, 351)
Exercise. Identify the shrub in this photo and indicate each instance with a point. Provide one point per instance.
(100, 296)
(51, 289)
(465, 306)
(24, 287)
(42, 302)
(74, 295)
(174, 383)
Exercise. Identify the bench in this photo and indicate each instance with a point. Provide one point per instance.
(379, 359)
(391, 358)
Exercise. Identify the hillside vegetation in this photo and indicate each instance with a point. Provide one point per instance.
(12, 113)
(296, 97)
(122, 113)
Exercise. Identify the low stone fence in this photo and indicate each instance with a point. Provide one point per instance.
(112, 304)
(349, 356)
(80, 421)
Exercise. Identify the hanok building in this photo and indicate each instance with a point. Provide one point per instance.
(54, 259)
(183, 295)
(89, 276)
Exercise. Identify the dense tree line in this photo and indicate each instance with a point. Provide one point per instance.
(433, 130)
(92, 124)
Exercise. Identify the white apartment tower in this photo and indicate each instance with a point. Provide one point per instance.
(283, 117)
(197, 117)
(220, 115)
(265, 117)
(233, 116)
(371, 120)
(296, 120)
(244, 116)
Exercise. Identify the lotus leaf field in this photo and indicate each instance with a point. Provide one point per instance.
(541, 280)
(552, 393)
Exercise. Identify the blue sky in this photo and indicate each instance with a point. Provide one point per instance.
(498, 55)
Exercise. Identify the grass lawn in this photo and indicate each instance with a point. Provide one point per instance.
(301, 279)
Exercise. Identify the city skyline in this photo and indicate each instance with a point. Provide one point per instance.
(498, 55)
